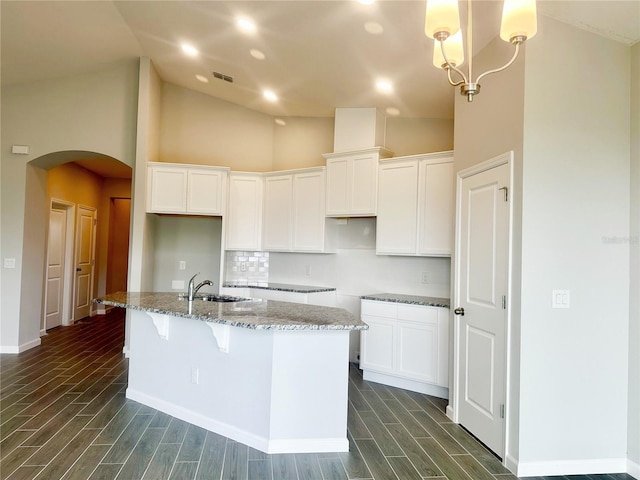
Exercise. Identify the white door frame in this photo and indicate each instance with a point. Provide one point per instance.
(67, 296)
(452, 410)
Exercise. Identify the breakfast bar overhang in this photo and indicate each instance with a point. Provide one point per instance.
(271, 375)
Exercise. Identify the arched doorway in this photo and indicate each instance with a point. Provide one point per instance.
(88, 205)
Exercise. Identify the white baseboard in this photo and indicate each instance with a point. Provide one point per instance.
(511, 463)
(450, 413)
(406, 384)
(20, 348)
(633, 469)
(570, 467)
(307, 445)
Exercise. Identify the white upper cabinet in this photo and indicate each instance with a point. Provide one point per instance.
(244, 211)
(278, 213)
(352, 182)
(415, 205)
(294, 218)
(397, 226)
(436, 206)
(186, 189)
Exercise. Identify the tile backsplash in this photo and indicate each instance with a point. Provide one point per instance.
(247, 266)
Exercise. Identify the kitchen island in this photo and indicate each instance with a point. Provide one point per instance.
(272, 375)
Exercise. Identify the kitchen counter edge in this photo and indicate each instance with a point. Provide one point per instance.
(252, 314)
(409, 299)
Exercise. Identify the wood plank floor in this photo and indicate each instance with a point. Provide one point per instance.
(64, 415)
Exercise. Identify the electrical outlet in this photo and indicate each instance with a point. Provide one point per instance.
(183, 265)
(195, 375)
(243, 267)
(425, 277)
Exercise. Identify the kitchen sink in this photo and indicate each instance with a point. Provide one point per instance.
(223, 298)
(214, 297)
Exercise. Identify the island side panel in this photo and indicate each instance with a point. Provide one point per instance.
(232, 395)
(310, 391)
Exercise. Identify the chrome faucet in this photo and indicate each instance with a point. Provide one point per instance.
(191, 293)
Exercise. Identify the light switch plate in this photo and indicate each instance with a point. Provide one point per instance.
(560, 299)
(177, 284)
(9, 263)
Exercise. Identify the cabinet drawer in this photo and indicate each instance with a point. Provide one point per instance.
(418, 313)
(378, 309)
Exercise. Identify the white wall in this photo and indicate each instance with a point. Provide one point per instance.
(197, 128)
(634, 292)
(193, 239)
(575, 196)
(93, 112)
(301, 142)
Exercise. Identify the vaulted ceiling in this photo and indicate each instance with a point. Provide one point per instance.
(318, 55)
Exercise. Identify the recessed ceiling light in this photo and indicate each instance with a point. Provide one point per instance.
(393, 111)
(384, 86)
(280, 122)
(246, 25)
(202, 78)
(374, 28)
(257, 54)
(270, 95)
(189, 50)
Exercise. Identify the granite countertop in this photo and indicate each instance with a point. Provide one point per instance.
(410, 299)
(282, 287)
(252, 313)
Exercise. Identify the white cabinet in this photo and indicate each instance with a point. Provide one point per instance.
(186, 189)
(415, 205)
(294, 219)
(352, 182)
(278, 212)
(244, 211)
(406, 346)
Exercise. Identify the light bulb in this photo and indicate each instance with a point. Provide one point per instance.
(441, 16)
(518, 19)
(453, 49)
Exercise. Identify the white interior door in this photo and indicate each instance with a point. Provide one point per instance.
(55, 267)
(481, 285)
(85, 255)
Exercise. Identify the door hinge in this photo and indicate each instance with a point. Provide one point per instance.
(504, 302)
(506, 193)
(502, 410)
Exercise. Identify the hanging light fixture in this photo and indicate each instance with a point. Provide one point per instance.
(442, 23)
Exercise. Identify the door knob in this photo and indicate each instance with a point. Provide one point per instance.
(459, 311)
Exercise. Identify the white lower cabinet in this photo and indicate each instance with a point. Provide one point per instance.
(406, 346)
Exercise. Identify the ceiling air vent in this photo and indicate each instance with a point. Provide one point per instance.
(222, 76)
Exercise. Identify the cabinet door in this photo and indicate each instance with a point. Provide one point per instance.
(167, 187)
(363, 183)
(278, 212)
(308, 212)
(377, 344)
(244, 213)
(418, 351)
(396, 228)
(436, 206)
(337, 194)
(205, 191)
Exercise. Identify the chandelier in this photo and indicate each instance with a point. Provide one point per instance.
(442, 23)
